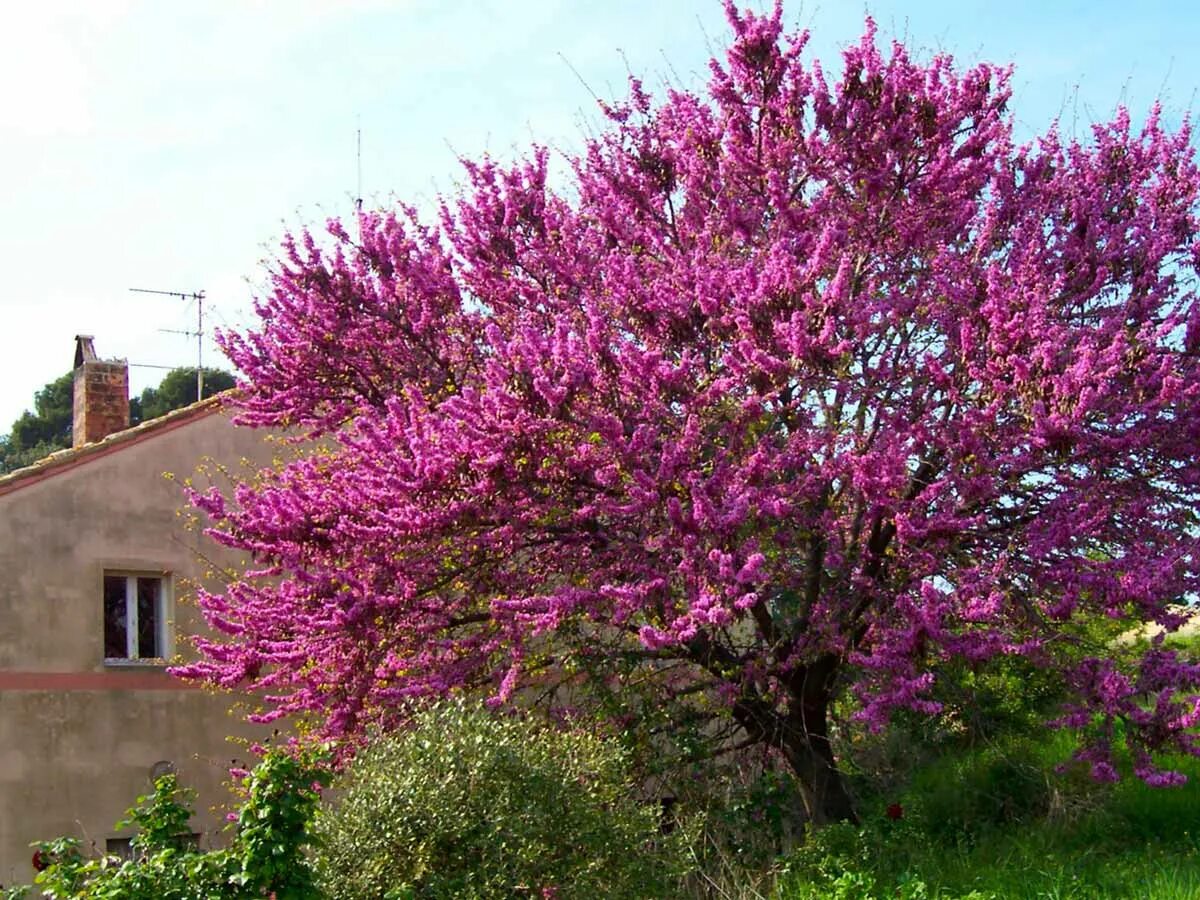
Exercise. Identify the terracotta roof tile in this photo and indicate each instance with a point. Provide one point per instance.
(69, 458)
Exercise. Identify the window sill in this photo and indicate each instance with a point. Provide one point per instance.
(149, 663)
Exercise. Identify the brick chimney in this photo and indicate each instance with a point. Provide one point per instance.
(101, 404)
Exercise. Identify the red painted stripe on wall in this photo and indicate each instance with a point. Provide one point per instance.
(113, 680)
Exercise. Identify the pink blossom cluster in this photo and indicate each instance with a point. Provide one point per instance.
(803, 382)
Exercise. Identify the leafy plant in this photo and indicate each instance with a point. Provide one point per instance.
(161, 818)
(282, 796)
(265, 858)
(469, 804)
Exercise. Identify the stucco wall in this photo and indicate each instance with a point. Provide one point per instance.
(78, 737)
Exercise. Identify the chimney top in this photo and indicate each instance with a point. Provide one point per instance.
(101, 404)
(85, 350)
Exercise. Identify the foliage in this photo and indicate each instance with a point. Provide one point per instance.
(282, 796)
(13, 458)
(1030, 860)
(176, 390)
(162, 824)
(1004, 696)
(468, 804)
(964, 794)
(161, 866)
(37, 434)
(844, 861)
(739, 819)
(983, 707)
(50, 421)
(796, 391)
(977, 823)
(266, 857)
(62, 864)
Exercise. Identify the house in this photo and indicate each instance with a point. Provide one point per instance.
(97, 560)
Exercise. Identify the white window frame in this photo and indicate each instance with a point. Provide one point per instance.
(163, 636)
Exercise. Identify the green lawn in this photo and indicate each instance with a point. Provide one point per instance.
(994, 824)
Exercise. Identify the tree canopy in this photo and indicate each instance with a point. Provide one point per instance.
(43, 430)
(795, 389)
(47, 428)
(177, 390)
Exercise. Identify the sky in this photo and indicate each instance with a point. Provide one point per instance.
(169, 146)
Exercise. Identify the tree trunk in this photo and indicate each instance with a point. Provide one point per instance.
(802, 733)
(821, 787)
(805, 743)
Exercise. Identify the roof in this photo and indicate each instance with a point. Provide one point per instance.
(70, 458)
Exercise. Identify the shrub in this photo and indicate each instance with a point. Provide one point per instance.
(877, 860)
(467, 804)
(282, 795)
(966, 792)
(265, 858)
(741, 815)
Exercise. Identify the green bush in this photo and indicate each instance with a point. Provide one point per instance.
(873, 861)
(1136, 841)
(965, 793)
(741, 816)
(467, 804)
(1004, 696)
(266, 857)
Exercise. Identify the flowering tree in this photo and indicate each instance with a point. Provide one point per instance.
(794, 389)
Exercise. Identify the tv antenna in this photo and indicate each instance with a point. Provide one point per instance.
(358, 167)
(198, 334)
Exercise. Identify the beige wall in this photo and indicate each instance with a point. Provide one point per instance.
(78, 737)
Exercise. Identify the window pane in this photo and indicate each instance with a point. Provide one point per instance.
(114, 617)
(148, 590)
(121, 847)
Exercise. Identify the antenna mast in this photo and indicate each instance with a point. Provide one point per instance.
(358, 164)
(198, 296)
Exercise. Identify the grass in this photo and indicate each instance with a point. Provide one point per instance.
(993, 824)
(1040, 864)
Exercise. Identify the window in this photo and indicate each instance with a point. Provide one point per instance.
(135, 617)
(122, 847)
(119, 847)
